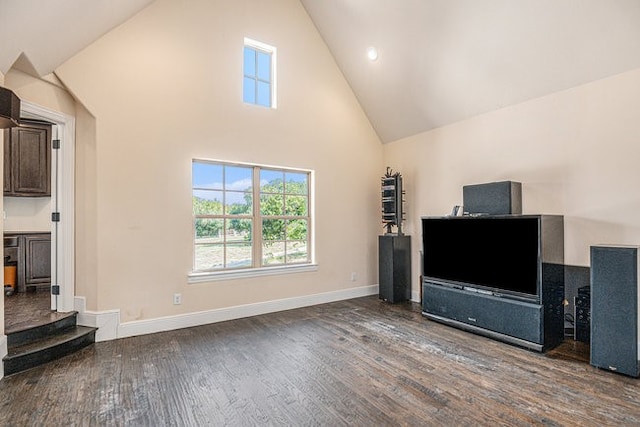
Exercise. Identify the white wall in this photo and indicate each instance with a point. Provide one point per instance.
(27, 214)
(575, 152)
(166, 87)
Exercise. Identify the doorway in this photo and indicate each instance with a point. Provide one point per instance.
(62, 203)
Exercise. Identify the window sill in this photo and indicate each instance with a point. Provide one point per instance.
(250, 272)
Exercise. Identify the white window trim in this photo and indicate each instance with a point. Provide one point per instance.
(214, 276)
(218, 275)
(274, 61)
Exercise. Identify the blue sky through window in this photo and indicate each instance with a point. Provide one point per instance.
(257, 77)
(208, 177)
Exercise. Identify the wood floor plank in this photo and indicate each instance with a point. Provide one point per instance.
(361, 362)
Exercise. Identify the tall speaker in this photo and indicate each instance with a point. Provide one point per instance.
(394, 273)
(614, 308)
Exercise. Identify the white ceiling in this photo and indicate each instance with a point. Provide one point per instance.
(440, 61)
(48, 32)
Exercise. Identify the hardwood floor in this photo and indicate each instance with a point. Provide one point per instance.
(24, 310)
(359, 362)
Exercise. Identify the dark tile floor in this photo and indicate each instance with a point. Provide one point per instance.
(25, 310)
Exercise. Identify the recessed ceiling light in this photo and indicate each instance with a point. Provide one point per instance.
(372, 53)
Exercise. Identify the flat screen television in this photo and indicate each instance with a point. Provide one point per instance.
(496, 254)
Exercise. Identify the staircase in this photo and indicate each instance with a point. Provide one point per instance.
(40, 344)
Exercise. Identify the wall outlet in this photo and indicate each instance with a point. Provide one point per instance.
(354, 276)
(177, 299)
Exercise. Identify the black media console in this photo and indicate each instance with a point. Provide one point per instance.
(499, 276)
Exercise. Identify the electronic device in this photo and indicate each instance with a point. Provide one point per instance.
(493, 198)
(483, 252)
(501, 276)
(615, 324)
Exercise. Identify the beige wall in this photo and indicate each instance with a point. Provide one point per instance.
(47, 91)
(165, 88)
(575, 152)
(86, 264)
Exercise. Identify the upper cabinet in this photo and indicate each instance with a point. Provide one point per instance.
(27, 160)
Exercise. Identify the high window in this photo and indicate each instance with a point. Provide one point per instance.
(259, 74)
(249, 216)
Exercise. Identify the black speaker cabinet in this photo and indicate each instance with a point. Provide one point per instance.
(494, 198)
(614, 308)
(394, 274)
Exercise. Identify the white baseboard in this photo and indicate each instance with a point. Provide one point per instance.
(106, 321)
(3, 353)
(109, 326)
(415, 296)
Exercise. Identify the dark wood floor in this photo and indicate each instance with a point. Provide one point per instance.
(359, 362)
(24, 310)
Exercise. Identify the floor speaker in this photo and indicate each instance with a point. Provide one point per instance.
(394, 268)
(614, 308)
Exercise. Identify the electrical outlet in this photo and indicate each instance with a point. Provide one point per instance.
(177, 299)
(354, 276)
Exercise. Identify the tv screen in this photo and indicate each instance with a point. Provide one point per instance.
(500, 254)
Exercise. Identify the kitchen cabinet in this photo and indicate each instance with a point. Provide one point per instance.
(33, 258)
(27, 160)
(37, 260)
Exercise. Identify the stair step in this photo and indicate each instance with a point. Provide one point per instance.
(43, 330)
(45, 349)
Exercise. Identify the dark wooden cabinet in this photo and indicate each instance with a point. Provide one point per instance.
(37, 265)
(27, 160)
(33, 258)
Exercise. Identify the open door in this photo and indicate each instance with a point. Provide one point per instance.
(62, 203)
(55, 217)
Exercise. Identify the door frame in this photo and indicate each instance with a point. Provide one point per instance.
(62, 201)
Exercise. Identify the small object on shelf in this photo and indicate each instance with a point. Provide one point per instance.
(392, 201)
(9, 277)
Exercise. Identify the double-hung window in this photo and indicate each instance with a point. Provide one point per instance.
(249, 216)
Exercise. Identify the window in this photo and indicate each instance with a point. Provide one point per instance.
(248, 216)
(259, 74)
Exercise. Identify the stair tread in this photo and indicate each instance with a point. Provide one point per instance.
(45, 343)
(38, 321)
(43, 330)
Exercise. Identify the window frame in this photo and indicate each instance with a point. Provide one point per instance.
(272, 52)
(257, 267)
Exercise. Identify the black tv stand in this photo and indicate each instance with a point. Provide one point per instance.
(535, 323)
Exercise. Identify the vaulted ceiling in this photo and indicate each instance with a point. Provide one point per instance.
(440, 61)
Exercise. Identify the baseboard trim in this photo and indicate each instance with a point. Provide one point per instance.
(150, 326)
(110, 328)
(415, 296)
(106, 321)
